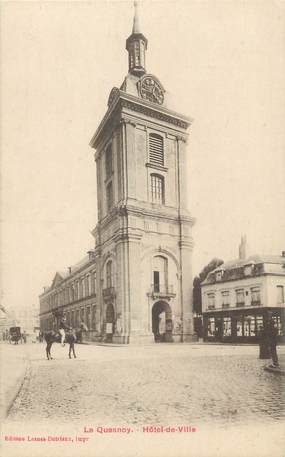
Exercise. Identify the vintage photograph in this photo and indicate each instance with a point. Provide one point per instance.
(142, 228)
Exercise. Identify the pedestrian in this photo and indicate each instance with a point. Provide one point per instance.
(272, 333)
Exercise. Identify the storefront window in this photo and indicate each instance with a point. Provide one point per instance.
(278, 324)
(249, 326)
(239, 327)
(259, 324)
(227, 326)
(211, 326)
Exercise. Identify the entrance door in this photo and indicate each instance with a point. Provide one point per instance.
(162, 322)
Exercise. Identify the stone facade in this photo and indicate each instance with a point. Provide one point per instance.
(73, 294)
(143, 240)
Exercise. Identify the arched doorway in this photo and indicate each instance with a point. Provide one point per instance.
(162, 322)
(110, 321)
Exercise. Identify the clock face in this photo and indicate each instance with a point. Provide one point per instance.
(151, 90)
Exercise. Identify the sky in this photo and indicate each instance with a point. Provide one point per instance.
(222, 61)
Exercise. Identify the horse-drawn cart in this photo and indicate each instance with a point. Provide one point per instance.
(15, 334)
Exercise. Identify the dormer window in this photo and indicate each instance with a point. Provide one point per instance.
(248, 269)
(219, 275)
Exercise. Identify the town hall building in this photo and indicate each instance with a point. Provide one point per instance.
(141, 263)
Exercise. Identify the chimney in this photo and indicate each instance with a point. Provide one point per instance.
(242, 248)
(69, 270)
(283, 254)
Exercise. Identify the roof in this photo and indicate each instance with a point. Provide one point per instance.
(254, 259)
(62, 275)
(233, 269)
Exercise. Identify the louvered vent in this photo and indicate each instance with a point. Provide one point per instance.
(156, 149)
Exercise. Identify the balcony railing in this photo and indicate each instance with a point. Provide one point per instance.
(162, 290)
(240, 304)
(108, 293)
(225, 305)
(255, 303)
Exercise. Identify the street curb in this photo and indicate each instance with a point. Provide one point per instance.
(13, 392)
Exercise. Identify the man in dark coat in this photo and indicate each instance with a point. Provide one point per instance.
(272, 334)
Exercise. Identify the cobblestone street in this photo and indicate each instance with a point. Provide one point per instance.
(194, 385)
(159, 384)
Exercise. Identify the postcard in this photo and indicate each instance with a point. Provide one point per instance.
(142, 228)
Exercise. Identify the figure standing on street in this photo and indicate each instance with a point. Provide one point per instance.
(272, 334)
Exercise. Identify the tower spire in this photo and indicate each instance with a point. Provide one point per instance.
(136, 46)
(136, 24)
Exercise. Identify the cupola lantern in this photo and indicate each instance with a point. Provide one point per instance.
(136, 46)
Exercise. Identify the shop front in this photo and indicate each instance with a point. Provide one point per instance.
(242, 326)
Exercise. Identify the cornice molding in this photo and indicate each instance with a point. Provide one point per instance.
(120, 100)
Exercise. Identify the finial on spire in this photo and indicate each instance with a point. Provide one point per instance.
(136, 46)
(136, 26)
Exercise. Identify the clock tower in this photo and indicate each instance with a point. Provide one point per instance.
(143, 239)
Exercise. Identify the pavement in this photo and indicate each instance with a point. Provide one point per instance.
(220, 391)
(14, 367)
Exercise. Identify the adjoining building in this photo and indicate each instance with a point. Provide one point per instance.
(143, 240)
(73, 294)
(241, 295)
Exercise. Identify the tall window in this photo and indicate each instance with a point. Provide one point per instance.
(240, 297)
(76, 291)
(109, 194)
(160, 274)
(77, 318)
(280, 295)
(211, 301)
(109, 161)
(81, 288)
(72, 319)
(157, 189)
(109, 274)
(93, 280)
(156, 153)
(88, 317)
(87, 286)
(255, 296)
(93, 318)
(225, 299)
